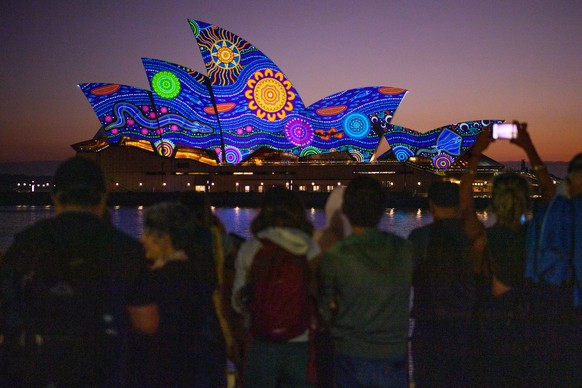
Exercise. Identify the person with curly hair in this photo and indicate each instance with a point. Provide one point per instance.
(500, 265)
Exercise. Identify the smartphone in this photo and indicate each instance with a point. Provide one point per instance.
(504, 131)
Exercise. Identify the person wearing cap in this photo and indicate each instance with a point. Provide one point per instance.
(554, 267)
(75, 253)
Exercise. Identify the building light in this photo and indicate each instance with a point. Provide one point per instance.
(418, 183)
(163, 184)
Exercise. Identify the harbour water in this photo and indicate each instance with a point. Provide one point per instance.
(236, 220)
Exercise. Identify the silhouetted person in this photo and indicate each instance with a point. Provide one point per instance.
(281, 227)
(73, 286)
(554, 266)
(503, 338)
(226, 246)
(444, 294)
(336, 228)
(190, 349)
(364, 282)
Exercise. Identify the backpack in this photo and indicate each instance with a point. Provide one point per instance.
(279, 293)
(66, 333)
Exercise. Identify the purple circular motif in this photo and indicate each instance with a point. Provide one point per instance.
(442, 161)
(233, 155)
(299, 132)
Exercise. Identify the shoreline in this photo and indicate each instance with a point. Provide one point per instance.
(216, 199)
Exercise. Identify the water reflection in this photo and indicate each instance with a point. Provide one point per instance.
(236, 220)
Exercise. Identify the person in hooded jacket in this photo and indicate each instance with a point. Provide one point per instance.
(282, 220)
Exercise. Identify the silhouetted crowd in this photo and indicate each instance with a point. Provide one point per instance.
(192, 305)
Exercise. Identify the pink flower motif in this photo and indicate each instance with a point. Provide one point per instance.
(108, 119)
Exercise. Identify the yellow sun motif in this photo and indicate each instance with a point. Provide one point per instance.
(225, 55)
(269, 94)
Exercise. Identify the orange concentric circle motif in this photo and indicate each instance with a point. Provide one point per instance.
(225, 54)
(270, 95)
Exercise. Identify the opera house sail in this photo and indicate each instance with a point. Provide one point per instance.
(245, 105)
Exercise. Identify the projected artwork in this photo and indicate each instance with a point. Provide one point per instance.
(442, 145)
(245, 102)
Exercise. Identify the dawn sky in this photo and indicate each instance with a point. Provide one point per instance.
(460, 61)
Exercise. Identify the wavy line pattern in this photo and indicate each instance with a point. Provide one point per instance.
(247, 102)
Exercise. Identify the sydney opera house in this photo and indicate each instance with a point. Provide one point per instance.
(243, 127)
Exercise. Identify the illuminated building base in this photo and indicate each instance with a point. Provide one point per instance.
(132, 169)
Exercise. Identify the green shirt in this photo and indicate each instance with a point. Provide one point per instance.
(368, 277)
